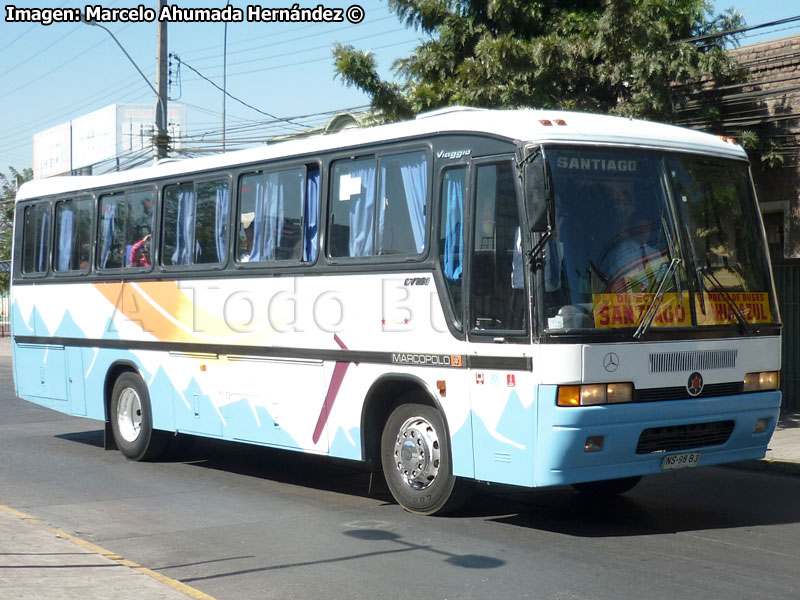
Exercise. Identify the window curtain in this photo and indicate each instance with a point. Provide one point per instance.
(184, 225)
(414, 170)
(311, 215)
(41, 258)
(362, 216)
(107, 231)
(258, 223)
(454, 232)
(221, 221)
(65, 238)
(273, 219)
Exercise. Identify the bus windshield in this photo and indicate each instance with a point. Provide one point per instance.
(673, 240)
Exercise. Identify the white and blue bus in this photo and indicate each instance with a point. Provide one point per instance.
(522, 297)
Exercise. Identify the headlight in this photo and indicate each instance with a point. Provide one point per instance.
(594, 394)
(761, 382)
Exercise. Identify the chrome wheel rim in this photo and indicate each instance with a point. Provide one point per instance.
(129, 415)
(417, 453)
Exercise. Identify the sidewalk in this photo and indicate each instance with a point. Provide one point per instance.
(38, 562)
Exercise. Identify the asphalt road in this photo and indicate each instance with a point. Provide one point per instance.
(241, 522)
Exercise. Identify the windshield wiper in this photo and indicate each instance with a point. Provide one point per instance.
(703, 273)
(655, 303)
(672, 252)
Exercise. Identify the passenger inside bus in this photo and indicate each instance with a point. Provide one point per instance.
(139, 255)
(634, 257)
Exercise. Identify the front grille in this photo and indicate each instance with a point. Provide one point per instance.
(681, 393)
(684, 437)
(692, 360)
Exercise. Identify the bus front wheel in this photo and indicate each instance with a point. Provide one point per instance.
(132, 419)
(415, 455)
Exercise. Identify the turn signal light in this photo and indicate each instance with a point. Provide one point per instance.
(594, 394)
(762, 382)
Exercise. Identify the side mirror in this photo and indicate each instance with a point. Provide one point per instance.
(537, 198)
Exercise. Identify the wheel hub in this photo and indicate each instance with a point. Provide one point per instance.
(129, 415)
(417, 454)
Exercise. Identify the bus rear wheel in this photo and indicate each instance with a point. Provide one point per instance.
(132, 420)
(415, 455)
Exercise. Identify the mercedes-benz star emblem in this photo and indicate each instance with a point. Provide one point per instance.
(611, 362)
(695, 384)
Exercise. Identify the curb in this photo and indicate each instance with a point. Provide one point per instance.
(94, 548)
(771, 465)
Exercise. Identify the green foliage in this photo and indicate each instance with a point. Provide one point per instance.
(8, 192)
(769, 152)
(626, 57)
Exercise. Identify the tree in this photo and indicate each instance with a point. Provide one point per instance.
(8, 192)
(635, 58)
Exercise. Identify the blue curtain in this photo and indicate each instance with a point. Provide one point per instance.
(41, 259)
(454, 233)
(414, 169)
(221, 221)
(184, 225)
(258, 222)
(107, 232)
(65, 238)
(362, 216)
(311, 216)
(275, 203)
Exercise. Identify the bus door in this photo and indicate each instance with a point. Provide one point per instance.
(497, 319)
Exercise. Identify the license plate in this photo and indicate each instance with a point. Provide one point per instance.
(680, 461)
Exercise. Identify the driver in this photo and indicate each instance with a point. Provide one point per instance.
(633, 262)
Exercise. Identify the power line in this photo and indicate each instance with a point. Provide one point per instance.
(720, 34)
(313, 60)
(54, 69)
(231, 96)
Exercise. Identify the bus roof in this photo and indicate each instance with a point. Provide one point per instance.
(524, 125)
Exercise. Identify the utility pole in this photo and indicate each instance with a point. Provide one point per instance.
(162, 137)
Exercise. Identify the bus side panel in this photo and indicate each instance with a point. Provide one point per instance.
(41, 375)
(77, 398)
(503, 425)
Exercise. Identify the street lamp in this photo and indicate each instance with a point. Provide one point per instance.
(161, 124)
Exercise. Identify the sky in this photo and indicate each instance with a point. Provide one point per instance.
(52, 74)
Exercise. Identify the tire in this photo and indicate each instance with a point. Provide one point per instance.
(132, 420)
(608, 487)
(416, 460)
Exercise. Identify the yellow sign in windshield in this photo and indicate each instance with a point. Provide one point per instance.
(626, 310)
(753, 306)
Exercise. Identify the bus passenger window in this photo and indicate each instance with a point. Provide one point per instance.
(73, 245)
(177, 224)
(401, 211)
(498, 294)
(125, 229)
(271, 215)
(352, 209)
(35, 237)
(211, 222)
(140, 229)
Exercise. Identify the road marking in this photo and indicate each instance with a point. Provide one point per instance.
(173, 583)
